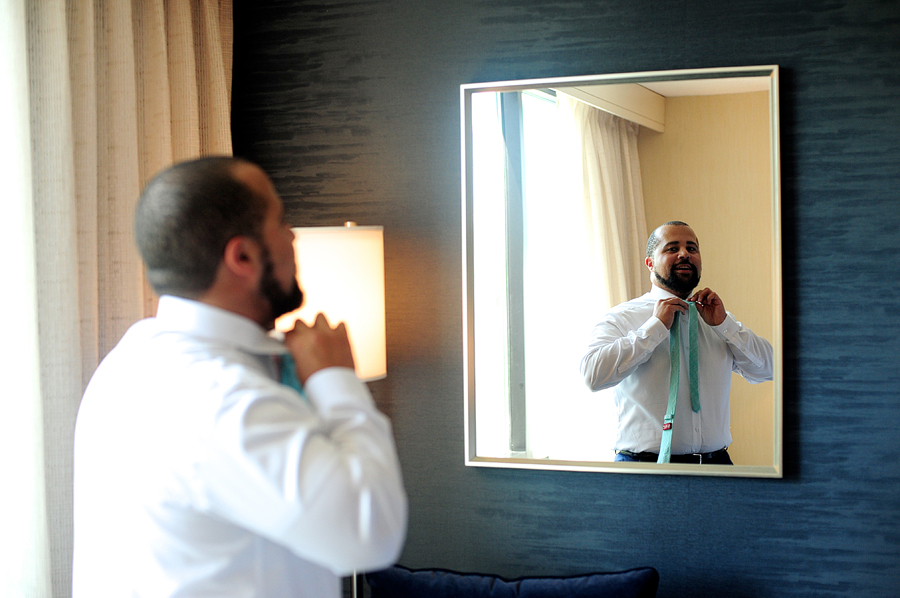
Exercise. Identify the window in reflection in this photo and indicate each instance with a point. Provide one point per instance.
(542, 275)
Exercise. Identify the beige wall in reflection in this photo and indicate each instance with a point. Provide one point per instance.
(711, 168)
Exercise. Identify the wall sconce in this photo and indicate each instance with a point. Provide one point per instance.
(341, 272)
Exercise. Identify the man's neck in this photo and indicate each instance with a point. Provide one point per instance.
(657, 288)
(247, 307)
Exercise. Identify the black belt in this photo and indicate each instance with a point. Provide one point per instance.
(687, 458)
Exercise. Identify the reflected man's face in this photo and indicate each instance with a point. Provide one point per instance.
(676, 263)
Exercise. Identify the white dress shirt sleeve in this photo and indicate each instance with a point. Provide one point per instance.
(324, 482)
(613, 354)
(753, 355)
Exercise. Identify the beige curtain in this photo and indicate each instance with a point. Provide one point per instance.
(610, 178)
(98, 95)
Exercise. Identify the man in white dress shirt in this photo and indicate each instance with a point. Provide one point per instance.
(629, 350)
(197, 473)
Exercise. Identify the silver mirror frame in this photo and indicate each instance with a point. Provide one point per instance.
(775, 470)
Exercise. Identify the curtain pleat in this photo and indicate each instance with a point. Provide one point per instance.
(56, 265)
(24, 543)
(613, 199)
(115, 91)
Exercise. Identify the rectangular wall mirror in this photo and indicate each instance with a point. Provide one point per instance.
(544, 259)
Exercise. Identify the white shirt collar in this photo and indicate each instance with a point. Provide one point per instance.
(659, 293)
(176, 314)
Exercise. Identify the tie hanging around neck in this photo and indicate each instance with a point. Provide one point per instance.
(288, 373)
(693, 354)
(665, 448)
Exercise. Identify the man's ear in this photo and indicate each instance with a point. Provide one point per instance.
(649, 262)
(242, 257)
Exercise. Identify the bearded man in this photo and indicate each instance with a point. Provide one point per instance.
(630, 351)
(197, 472)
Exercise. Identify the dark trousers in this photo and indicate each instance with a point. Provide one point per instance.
(720, 457)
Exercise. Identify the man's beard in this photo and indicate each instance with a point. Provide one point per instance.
(280, 301)
(678, 285)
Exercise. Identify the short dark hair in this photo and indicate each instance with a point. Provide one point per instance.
(653, 241)
(185, 217)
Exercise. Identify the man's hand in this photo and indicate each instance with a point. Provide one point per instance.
(709, 306)
(667, 308)
(318, 347)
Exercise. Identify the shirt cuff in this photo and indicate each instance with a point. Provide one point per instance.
(333, 386)
(727, 329)
(654, 329)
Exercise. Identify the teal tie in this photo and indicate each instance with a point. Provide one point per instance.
(665, 448)
(288, 373)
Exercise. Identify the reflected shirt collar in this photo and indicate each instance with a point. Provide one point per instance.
(657, 293)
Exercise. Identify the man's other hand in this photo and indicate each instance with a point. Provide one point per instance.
(709, 306)
(318, 347)
(667, 308)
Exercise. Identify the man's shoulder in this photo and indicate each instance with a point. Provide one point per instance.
(638, 303)
(629, 315)
(149, 349)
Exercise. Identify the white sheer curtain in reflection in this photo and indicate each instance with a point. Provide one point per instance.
(586, 253)
(95, 97)
(612, 197)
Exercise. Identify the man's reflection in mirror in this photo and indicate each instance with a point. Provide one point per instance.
(630, 350)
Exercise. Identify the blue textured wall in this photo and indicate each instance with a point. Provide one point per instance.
(353, 107)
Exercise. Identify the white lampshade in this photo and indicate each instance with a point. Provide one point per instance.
(341, 272)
